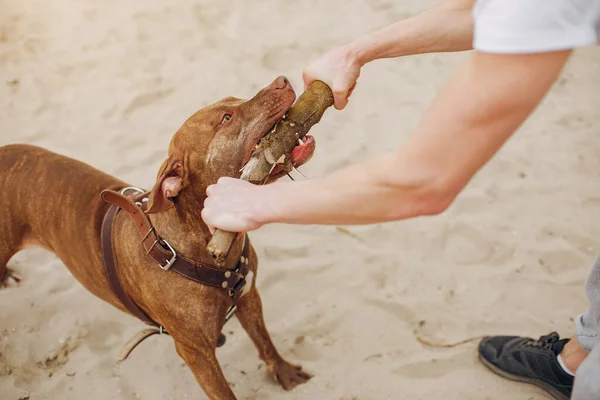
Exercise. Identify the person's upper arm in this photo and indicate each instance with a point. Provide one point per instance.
(478, 110)
(532, 26)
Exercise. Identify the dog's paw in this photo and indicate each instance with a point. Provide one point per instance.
(10, 278)
(289, 376)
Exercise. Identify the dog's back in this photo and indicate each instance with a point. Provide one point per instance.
(52, 201)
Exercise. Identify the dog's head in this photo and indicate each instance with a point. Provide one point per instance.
(217, 141)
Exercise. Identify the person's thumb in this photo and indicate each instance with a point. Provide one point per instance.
(308, 78)
(340, 99)
(340, 95)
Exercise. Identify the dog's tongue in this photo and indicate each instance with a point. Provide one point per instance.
(301, 154)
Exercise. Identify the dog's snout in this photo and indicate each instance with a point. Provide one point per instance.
(280, 83)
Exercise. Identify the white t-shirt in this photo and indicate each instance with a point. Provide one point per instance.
(532, 26)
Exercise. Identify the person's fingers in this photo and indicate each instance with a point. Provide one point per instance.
(204, 215)
(351, 90)
(307, 78)
(341, 89)
(210, 191)
(340, 100)
(226, 180)
(340, 97)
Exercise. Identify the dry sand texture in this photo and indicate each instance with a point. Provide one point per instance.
(108, 82)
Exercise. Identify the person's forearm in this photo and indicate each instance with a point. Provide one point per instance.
(359, 194)
(444, 28)
(394, 186)
(468, 122)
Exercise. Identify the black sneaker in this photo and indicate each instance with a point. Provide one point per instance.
(528, 360)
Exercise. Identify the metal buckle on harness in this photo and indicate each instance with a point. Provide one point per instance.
(239, 286)
(137, 190)
(131, 189)
(170, 262)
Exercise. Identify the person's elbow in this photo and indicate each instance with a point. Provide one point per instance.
(436, 197)
(426, 198)
(420, 186)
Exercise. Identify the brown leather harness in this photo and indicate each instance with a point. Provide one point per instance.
(167, 258)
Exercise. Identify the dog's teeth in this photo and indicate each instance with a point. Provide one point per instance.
(284, 116)
(300, 142)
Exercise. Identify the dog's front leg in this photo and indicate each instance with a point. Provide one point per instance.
(250, 315)
(205, 367)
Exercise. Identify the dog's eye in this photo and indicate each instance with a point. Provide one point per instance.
(226, 118)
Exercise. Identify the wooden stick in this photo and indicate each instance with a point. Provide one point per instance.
(275, 149)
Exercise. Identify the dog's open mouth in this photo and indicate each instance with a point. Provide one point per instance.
(300, 155)
(276, 100)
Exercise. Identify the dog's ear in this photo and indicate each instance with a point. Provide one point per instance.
(171, 179)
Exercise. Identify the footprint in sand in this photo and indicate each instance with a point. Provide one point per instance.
(436, 367)
(591, 202)
(382, 268)
(567, 250)
(465, 245)
(584, 244)
(305, 350)
(147, 99)
(285, 253)
(282, 276)
(323, 332)
(98, 340)
(397, 310)
(557, 262)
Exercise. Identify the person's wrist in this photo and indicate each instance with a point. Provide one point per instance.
(267, 211)
(358, 51)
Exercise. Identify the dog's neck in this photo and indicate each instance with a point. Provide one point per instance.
(182, 226)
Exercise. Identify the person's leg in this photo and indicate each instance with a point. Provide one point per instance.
(587, 379)
(572, 355)
(586, 325)
(528, 360)
(550, 361)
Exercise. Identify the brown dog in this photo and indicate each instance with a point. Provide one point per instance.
(54, 202)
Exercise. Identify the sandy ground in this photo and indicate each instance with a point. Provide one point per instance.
(109, 83)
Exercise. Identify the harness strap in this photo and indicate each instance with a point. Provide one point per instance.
(110, 268)
(233, 281)
(167, 258)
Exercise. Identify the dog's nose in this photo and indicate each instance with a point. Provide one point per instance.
(280, 83)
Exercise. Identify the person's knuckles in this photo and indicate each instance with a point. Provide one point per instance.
(207, 218)
(210, 191)
(209, 201)
(224, 180)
